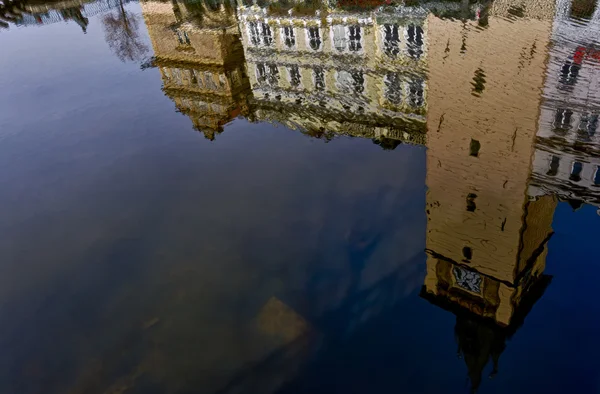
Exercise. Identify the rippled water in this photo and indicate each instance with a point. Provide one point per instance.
(299, 197)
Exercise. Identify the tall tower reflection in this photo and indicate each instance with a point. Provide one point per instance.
(486, 241)
(201, 60)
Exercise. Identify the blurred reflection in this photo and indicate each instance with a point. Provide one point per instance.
(198, 50)
(567, 156)
(486, 240)
(121, 31)
(33, 13)
(328, 69)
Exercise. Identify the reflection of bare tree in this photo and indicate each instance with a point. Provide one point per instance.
(121, 30)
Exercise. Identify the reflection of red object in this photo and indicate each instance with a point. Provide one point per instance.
(38, 19)
(579, 55)
(582, 53)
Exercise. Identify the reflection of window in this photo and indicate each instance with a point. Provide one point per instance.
(294, 73)
(583, 9)
(355, 36)
(576, 171)
(254, 33)
(267, 35)
(289, 38)
(468, 280)
(562, 119)
(352, 81)
(471, 206)
(597, 177)
(391, 40)
(467, 253)
(339, 37)
(416, 91)
(209, 81)
(569, 73)
(176, 73)
(314, 38)
(260, 33)
(414, 38)
(193, 78)
(267, 73)
(554, 163)
(319, 78)
(474, 147)
(588, 124)
(182, 36)
(393, 88)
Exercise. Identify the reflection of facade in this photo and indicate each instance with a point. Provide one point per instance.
(198, 51)
(353, 72)
(567, 156)
(486, 242)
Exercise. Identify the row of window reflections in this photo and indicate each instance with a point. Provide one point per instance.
(576, 170)
(344, 38)
(563, 122)
(348, 81)
(202, 79)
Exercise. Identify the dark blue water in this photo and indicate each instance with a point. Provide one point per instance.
(195, 200)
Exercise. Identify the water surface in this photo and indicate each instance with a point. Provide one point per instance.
(299, 197)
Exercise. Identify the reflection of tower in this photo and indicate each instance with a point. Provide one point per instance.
(486, 242)
(199, 53)
(330, 70)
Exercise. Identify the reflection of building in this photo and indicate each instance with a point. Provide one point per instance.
(23, 13)
(330, 70)
(486, 242)
(567, 157)
(199, 53)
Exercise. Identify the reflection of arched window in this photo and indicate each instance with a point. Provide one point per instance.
(554, 163)
(314, 38)
(416, 92)
(391, 40)
(576, 171)
(414, 38)
(393, 88)
(562, 120)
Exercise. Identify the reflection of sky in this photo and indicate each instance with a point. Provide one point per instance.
(116, 212)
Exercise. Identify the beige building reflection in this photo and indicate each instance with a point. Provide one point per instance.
(486, 241)
(200, 57)
(323, 69)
